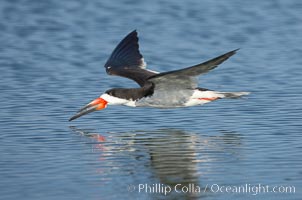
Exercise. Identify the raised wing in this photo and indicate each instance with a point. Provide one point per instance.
(126, 61)
(187, 78)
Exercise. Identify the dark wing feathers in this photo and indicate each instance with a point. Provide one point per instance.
(199, 69)
(126, 60)
(128, 45)
(186, 78)
(126, 54)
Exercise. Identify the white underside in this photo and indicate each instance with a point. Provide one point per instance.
(117, 101)
(202, 97)
(197, 98)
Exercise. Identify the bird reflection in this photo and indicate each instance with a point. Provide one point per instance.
(174, 157)
(90, 134)
(173, 160)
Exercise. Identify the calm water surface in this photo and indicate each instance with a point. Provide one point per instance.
(52, 55)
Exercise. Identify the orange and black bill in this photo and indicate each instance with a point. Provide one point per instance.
(97, 104)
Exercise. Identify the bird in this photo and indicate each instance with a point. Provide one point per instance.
(172, 89)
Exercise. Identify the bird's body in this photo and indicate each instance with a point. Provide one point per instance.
(171, 89)
(172, 98)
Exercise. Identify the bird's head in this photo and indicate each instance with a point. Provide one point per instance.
(110, 97)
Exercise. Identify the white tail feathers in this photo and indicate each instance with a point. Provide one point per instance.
(233, 95)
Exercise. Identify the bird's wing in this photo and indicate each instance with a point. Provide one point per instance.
(187, 78)
(126, 61)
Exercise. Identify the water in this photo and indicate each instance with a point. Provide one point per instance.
(52, 55)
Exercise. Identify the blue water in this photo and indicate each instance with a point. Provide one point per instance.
(52, 55)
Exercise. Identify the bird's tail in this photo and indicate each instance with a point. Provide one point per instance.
(232, 95)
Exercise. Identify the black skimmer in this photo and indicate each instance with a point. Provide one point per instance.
(171, 89)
